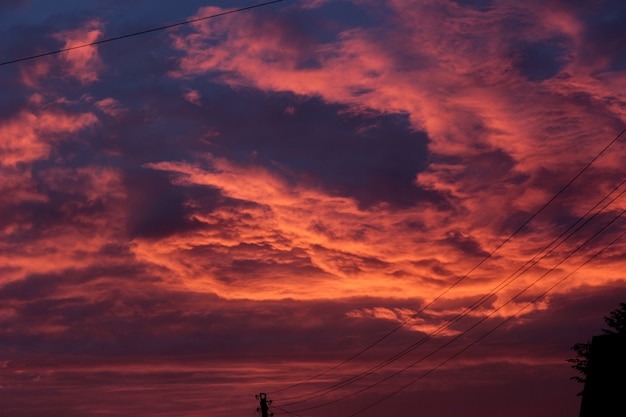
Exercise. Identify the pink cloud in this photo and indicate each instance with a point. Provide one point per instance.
(84, 64)
(32, 73)
(57, 246)
(465, 103)
(110, 106)
(30, 136)
(193, 96)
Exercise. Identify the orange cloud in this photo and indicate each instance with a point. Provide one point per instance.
(284, 231)
(468, 105)
(484, 114)
(29, 136)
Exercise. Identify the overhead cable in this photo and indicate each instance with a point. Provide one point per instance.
(457, 337)
(539, 256)
(484, 335)
(142, 32)
(458, 281)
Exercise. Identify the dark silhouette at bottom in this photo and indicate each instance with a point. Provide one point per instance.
(263, 406)
(604, 394)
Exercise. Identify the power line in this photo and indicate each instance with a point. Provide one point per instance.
(283, 411)
(538, 257)
(393, 375)
(143, 32)
(457, 282)
(484, 335)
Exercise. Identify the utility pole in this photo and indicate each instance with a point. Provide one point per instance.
(263, 406)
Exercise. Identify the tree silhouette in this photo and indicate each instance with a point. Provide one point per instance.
(581, 361)
(616, 321)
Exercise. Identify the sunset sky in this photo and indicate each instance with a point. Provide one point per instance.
(428, 193)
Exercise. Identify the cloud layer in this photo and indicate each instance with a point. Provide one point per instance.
(236, 205)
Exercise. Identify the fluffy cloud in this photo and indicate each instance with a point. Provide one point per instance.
(84, 64)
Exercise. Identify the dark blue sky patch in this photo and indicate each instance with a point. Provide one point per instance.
(607, 34)
(345, 15)
(481, 5)
(372, 158)
(542, 60)
(10, 4)
(132, 17)
(603, 30)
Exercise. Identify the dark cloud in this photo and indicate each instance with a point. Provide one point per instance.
(9, 4)
(436, 266)
(28, 288)
(148, 324)
(156, 207)
(249, 269)
(465, 244)
(481, 5)
(491, 165)
(59, 204)
(35, 286)
(550, 333)
(371, 158)
(605, 31)
(602, 29)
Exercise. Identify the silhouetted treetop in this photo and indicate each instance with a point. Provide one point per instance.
(616, 320)
(581, 361)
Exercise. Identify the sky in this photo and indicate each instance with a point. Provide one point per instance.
(409, 207)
